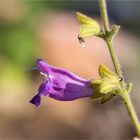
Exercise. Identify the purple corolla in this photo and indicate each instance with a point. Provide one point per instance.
(60, 84)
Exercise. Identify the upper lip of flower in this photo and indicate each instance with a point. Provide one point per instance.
(46, 69)
(61, 84)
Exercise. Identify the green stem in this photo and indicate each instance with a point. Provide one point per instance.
(114, 58)
(125, 97)
(104, 14)
(124, 94)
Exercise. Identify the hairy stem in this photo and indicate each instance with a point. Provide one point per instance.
(124, 94)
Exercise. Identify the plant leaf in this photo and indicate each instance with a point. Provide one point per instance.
(129, 87)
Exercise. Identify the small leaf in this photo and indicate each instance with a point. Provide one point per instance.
(114, 30)
(96, 94)
(106, 98)
(129, 87)
(88, 27)
(105, 72)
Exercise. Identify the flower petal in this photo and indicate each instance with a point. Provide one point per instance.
(61, 84)
(36, 100)
(47, 69)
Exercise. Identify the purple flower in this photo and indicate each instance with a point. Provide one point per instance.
(60, 84)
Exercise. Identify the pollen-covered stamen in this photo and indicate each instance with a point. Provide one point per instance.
(51, 77)
(46, 76)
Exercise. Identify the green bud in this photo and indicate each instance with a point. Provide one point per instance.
(88, 27)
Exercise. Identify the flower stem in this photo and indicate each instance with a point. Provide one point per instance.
(126, 98)
(104, 14)
(124, 94)
(114, 58)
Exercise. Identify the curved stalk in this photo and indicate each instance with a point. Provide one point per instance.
(124, 94)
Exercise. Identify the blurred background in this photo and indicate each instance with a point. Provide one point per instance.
(48, 30)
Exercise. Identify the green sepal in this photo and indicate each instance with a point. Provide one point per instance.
(106, 87)
(106, 98)
(101, 34)
(96, 95)
(110, 81)
(96, 84)
(109, 85)
(88, 27)
(105, 72)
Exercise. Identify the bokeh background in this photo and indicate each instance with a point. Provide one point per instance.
(48, 30)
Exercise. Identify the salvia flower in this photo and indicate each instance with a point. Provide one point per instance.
(60, 84)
